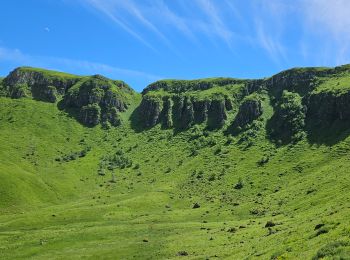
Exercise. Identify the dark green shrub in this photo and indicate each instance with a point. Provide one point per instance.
(19, 91)
(218, 150)
(239, 185)
(212, 177)
(90, 114)
(263, 160)
(334, 250)
(289, 118)
(194, 151)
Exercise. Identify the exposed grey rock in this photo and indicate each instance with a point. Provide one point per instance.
(326, 107)
(38, 84)
(249, 110)
(217, 113)
(150, 110)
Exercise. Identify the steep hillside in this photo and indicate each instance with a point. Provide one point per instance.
(214, 168)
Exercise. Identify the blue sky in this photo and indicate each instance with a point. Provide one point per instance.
(140, 41)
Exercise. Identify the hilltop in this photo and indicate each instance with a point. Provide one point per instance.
(194, 169)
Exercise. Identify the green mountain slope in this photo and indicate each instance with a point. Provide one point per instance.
(214, 168)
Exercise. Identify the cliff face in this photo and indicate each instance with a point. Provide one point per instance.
(293, 93)
(97, 99)
(317, 94)
(150, 110)
(250, 110)
(181, 104)
(181, 111)
(40, 84)
(301, 81)
(328, 106)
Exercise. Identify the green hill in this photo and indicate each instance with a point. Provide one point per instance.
(203, 169)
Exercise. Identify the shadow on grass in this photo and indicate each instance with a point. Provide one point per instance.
(327, 134)
(136, 121)
(71, 112)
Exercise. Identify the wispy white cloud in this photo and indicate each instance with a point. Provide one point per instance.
(272, 46)
(126, 13)
(108, 9)
(19, 58)
(215, 22)
(265, 25)
(169, 17)
(271, 19)
(331, 15)
(156, 16)
(138, 13)
(12, 55)
(324, 30)
(330, 21)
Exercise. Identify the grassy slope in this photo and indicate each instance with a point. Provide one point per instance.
(52, 209)
(50, 73)
(339, 84)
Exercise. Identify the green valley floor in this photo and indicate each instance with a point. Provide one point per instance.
(68, 191)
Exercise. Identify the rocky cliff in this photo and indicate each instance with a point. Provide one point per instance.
(99, 100)
(321, 95)
(41, 84)
(184, 103)
(183, 111)
(250, 110)
(94, 99)
(295, 98)
(328, 106)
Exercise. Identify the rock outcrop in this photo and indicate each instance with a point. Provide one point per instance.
(90, 114)
(250, 110)
(181, 111)
(201, 108)
(94, 99)
(150, 109)
(328, 106)
(99, 100)
(40, 84)
(299, 80)
(181, 104)
(217, 113)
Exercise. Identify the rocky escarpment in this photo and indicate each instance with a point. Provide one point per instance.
(183, 103)
(181, 111)
(325, 107)
(180, 104)
(250, 110)
(322, 106)
(98, 100)
(40, 84)
(150, 109)
(91, 99)
(301, 80)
